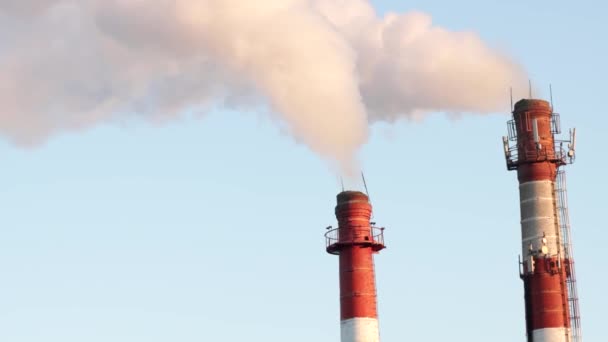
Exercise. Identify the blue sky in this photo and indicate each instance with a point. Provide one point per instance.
(212, 228)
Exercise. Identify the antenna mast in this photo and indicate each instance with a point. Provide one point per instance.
(365, 184)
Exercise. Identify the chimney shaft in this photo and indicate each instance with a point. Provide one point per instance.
(355, 241)
(545, 267)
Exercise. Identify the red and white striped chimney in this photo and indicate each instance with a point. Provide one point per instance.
(356, 240)
(545, 265)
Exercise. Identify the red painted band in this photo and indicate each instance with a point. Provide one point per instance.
(357, 278)
(357, 283)
(546, 295)
(545, 171)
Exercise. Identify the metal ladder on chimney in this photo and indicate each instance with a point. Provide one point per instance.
(561, 195)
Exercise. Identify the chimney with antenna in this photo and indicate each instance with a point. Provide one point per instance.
(546, 265)
(355, 241)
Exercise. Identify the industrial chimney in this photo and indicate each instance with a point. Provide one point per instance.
(356, 240)
(546, 265)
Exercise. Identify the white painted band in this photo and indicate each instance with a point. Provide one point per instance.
(536, 218)
(551, 335)
(534, 238)
(539, 219)
(359, 330)
(539, 198)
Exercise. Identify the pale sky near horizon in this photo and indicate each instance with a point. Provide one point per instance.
(211, 229)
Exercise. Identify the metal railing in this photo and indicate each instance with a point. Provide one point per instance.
(556, 126)
(559, 155)
(370, 235)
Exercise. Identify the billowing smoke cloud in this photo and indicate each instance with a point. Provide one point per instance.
(324, 68)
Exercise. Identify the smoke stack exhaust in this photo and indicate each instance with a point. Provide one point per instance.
(356, 240)
(547, 266)
(323, 69)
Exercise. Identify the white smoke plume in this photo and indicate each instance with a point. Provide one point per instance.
(325, 69)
